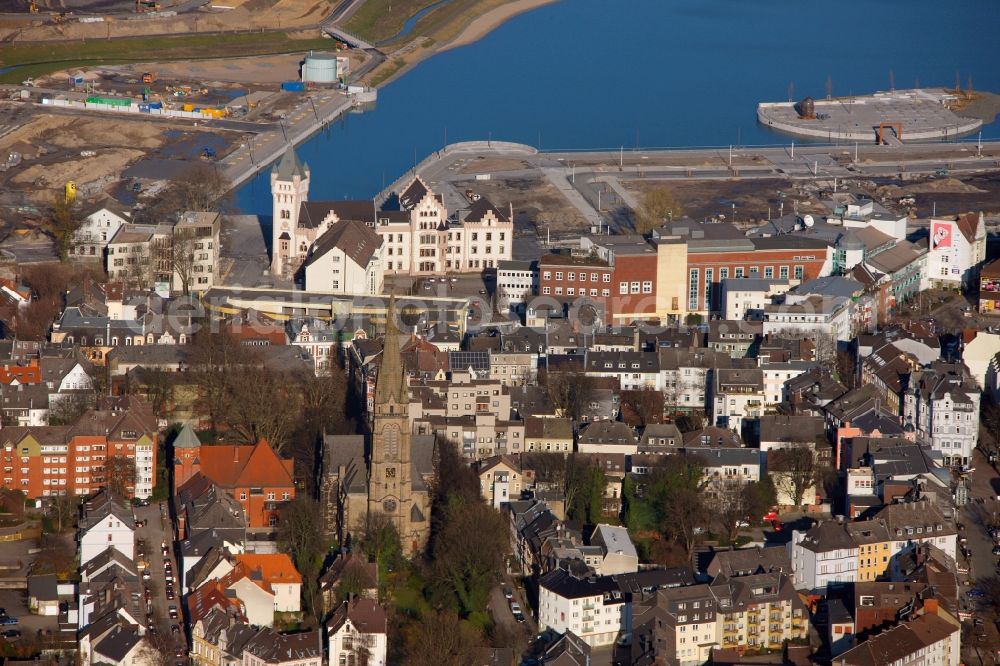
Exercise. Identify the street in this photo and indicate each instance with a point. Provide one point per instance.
(156, 531)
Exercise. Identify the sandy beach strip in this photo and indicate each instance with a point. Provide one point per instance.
(491, 20)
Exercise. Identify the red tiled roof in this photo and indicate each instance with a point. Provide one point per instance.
(212, 595)
(244, 466)
(263, 571)
(968, 224)
(23, 374)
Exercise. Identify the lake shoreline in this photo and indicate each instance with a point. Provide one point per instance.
(479, 27)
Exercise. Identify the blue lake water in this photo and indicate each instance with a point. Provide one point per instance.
(653, 73)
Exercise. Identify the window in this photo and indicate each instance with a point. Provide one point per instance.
(546, 290)
(571, 275)
(546, 275)
(768, 272)
(605, 292)
(783, 272)
(559, 275)
(607, 277)
(623, 287)
(635, 287)
(739, 272)
(798, 272)
(693, 290)
(709, 275)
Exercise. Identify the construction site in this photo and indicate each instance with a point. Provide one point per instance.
(885, 117)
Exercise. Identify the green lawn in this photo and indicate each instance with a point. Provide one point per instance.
(39, 58)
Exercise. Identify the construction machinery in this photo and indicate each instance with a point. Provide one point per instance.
(33, 6)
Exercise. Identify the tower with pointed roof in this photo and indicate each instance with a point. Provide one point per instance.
(187, 448)
(390, 472)
(289, 190)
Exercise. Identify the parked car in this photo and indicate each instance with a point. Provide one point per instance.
(996, 550)
(11, 633)
(515, 607)
(508, 593)
(170, 594)
(7, 621)
(172, 612)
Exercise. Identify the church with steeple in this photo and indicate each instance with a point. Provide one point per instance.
(399, 464)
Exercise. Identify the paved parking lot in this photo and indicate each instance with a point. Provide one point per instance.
(15, 602)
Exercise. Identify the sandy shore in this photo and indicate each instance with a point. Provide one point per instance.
(491, 20)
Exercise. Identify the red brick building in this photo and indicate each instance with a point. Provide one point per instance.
(716, 252)
(47, 461)
(619, 276)
(252, 473)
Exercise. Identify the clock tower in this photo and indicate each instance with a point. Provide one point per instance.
(390, 472)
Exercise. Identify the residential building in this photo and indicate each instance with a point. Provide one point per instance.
(107, 522)
(748, 562)
(548, 433)
(500, 480)
(139, 256)
(941, 406)
(269, 648)
(824, 555)
(759, 611)
(679, 627)
(618, 554)
(818, 317)
(913, 523)
(957, 251)
(607, 437)
(745, 298)
(736, 338)
(738, 397)
(44, 461)
(346, 260)
(874, 548)
(96, 230)
(358, 634)
(932, 638)
(989, 288)
(195, 251)
(594, 609)
(781, 431)
(517, 283)
(317, 338)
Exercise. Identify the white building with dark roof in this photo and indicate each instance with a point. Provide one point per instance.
(346, 260)
(420, 238)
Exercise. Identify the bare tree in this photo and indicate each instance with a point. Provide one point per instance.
(182, 257)
(658, 207)
(301, 536)
(68, 408)
(119, 474)
(64, 220)
(794, 471)
(440, 638)
(570, 391)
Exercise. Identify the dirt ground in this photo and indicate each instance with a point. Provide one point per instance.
(947, 195)
(493, 164)
(535, 200)
(251, 71)
(59, 140)
(705, 199)
(246, 14)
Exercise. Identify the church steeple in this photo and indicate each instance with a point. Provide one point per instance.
(390, 387)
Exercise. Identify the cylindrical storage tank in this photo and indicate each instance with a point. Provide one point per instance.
(320, 68)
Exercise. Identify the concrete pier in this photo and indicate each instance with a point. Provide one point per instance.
(902, 116)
